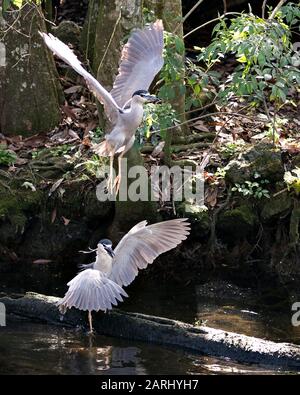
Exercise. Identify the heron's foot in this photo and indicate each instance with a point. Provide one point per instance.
(109, 185)
(91, 333)
(117, 184)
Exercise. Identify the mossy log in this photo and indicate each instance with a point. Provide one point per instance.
(135, 326)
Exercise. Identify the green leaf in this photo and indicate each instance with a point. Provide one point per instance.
(6, 4)
(261, 59)
(242, 59)
(179, 45)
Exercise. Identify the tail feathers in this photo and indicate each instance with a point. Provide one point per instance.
(109, 148)
(103, 149)
(91, 290)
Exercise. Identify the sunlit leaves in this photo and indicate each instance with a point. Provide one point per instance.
(256, 189)
(7, 157)
(157, 118)
(17, 3)
(292, 179)
(268, 65)
(6, 4)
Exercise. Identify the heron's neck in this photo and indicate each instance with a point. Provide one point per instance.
(134, 115)
(136, 103)
(103, 262)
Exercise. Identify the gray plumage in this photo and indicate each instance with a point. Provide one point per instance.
(141, 60)
(99, 286)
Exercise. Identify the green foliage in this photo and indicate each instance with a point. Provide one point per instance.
(96, 135)
(17, 3)
(173, 69)
(268, 65)
(255, 189)
(180, 78)
(62, 150)
(289, 13)
(148, 15)
(156, 118)
(7, 157)
(292, 180)
(94, 166)
(230, 149)
(221, 172)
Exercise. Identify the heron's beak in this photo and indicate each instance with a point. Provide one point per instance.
(152, 99)
(110, 251)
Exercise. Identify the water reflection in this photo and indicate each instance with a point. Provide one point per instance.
(27, 348)
(40, 349)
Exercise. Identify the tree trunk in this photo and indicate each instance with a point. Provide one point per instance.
(127, 212)
(107, 25)
(141, 327)
(87, 42)
(170, 11)
(103, 38)
(29, 89)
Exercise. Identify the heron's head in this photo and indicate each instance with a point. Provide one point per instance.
(106, 245)
(144, 97)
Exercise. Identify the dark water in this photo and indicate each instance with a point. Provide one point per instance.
(43, 349)
(27, 348)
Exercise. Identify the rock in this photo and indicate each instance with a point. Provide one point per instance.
(237, 223)
(200, 218)
(39, 225)
(262, 159)
(275, 206)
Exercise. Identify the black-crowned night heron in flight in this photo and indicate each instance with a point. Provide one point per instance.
(99, 285)
(141, 60)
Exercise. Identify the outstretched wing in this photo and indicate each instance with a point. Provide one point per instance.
(67, 55)
(91, 290)
(143, 244)
(142, 58)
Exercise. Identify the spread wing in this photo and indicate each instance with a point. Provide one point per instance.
(91, 290)
(67, 55)
(143, 244)
(142, 59)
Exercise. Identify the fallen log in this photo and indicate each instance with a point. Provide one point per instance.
(168, 332)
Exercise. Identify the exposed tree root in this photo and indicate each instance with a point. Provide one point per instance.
(185, 147)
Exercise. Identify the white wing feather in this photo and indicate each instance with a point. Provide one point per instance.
(142, 59)
(67, 55)
(143, 244)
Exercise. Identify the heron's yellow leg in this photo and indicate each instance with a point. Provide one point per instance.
(118, 179)
(110, 184)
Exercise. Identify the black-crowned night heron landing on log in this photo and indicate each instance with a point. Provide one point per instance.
(99, 285)
(141, 60)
